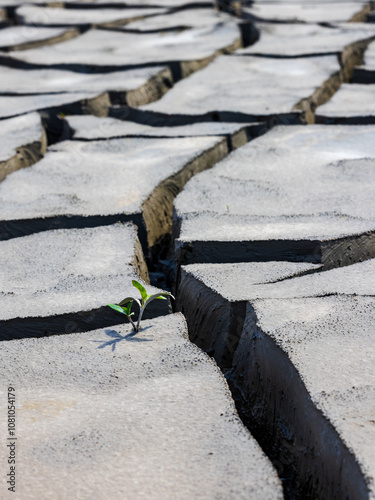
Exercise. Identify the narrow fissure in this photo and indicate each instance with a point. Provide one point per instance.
(74, 322)
(270, 396)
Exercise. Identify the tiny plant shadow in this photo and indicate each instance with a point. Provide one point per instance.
(116, 337)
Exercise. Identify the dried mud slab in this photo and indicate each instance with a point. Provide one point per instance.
(133, 87)
(22, 143)
(111, 49)
(297, 193)
(59, 281)
(52, 16)
(188, 18)
(352, 104)
(248, 86)
(29, 37)
(152, 411)
(73, 102)
(137, 3)
(300, 354)
(14, 3)
(300, 12)
(100, 182)
(296, 40)
(85, 127)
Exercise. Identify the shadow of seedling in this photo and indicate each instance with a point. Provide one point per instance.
(116, 337)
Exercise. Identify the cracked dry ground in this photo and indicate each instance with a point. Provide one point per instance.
(224, 152)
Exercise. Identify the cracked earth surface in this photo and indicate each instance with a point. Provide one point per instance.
(221, 150)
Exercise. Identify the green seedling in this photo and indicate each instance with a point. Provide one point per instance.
(124, 307)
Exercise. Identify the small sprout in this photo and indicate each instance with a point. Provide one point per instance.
(124, 307)
(125, 310)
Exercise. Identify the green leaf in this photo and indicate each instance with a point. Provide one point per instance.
(117, 308)
(163, 298)
(126, 301)
(141, 289)
(130, 299)
(163, 295)
(128, 309)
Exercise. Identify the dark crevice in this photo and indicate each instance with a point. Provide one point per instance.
(342, 120)
(234, 140)
(224, 252)
(172, 29)
(57, 129)
(250, 33)
(341, 253)
(276, 407)
(157, 210)
(334, 253)
(80, 68)
(108, 5)
(299, 274)
(79, 27)
(75, 322)
(270, 396)
(180, 69)
(214, 323)
(349, 58)
(228, 137)
(363, 76)
(17, 228)
(156, 119)
(10, 14)
(36, 93)
(285, 56)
